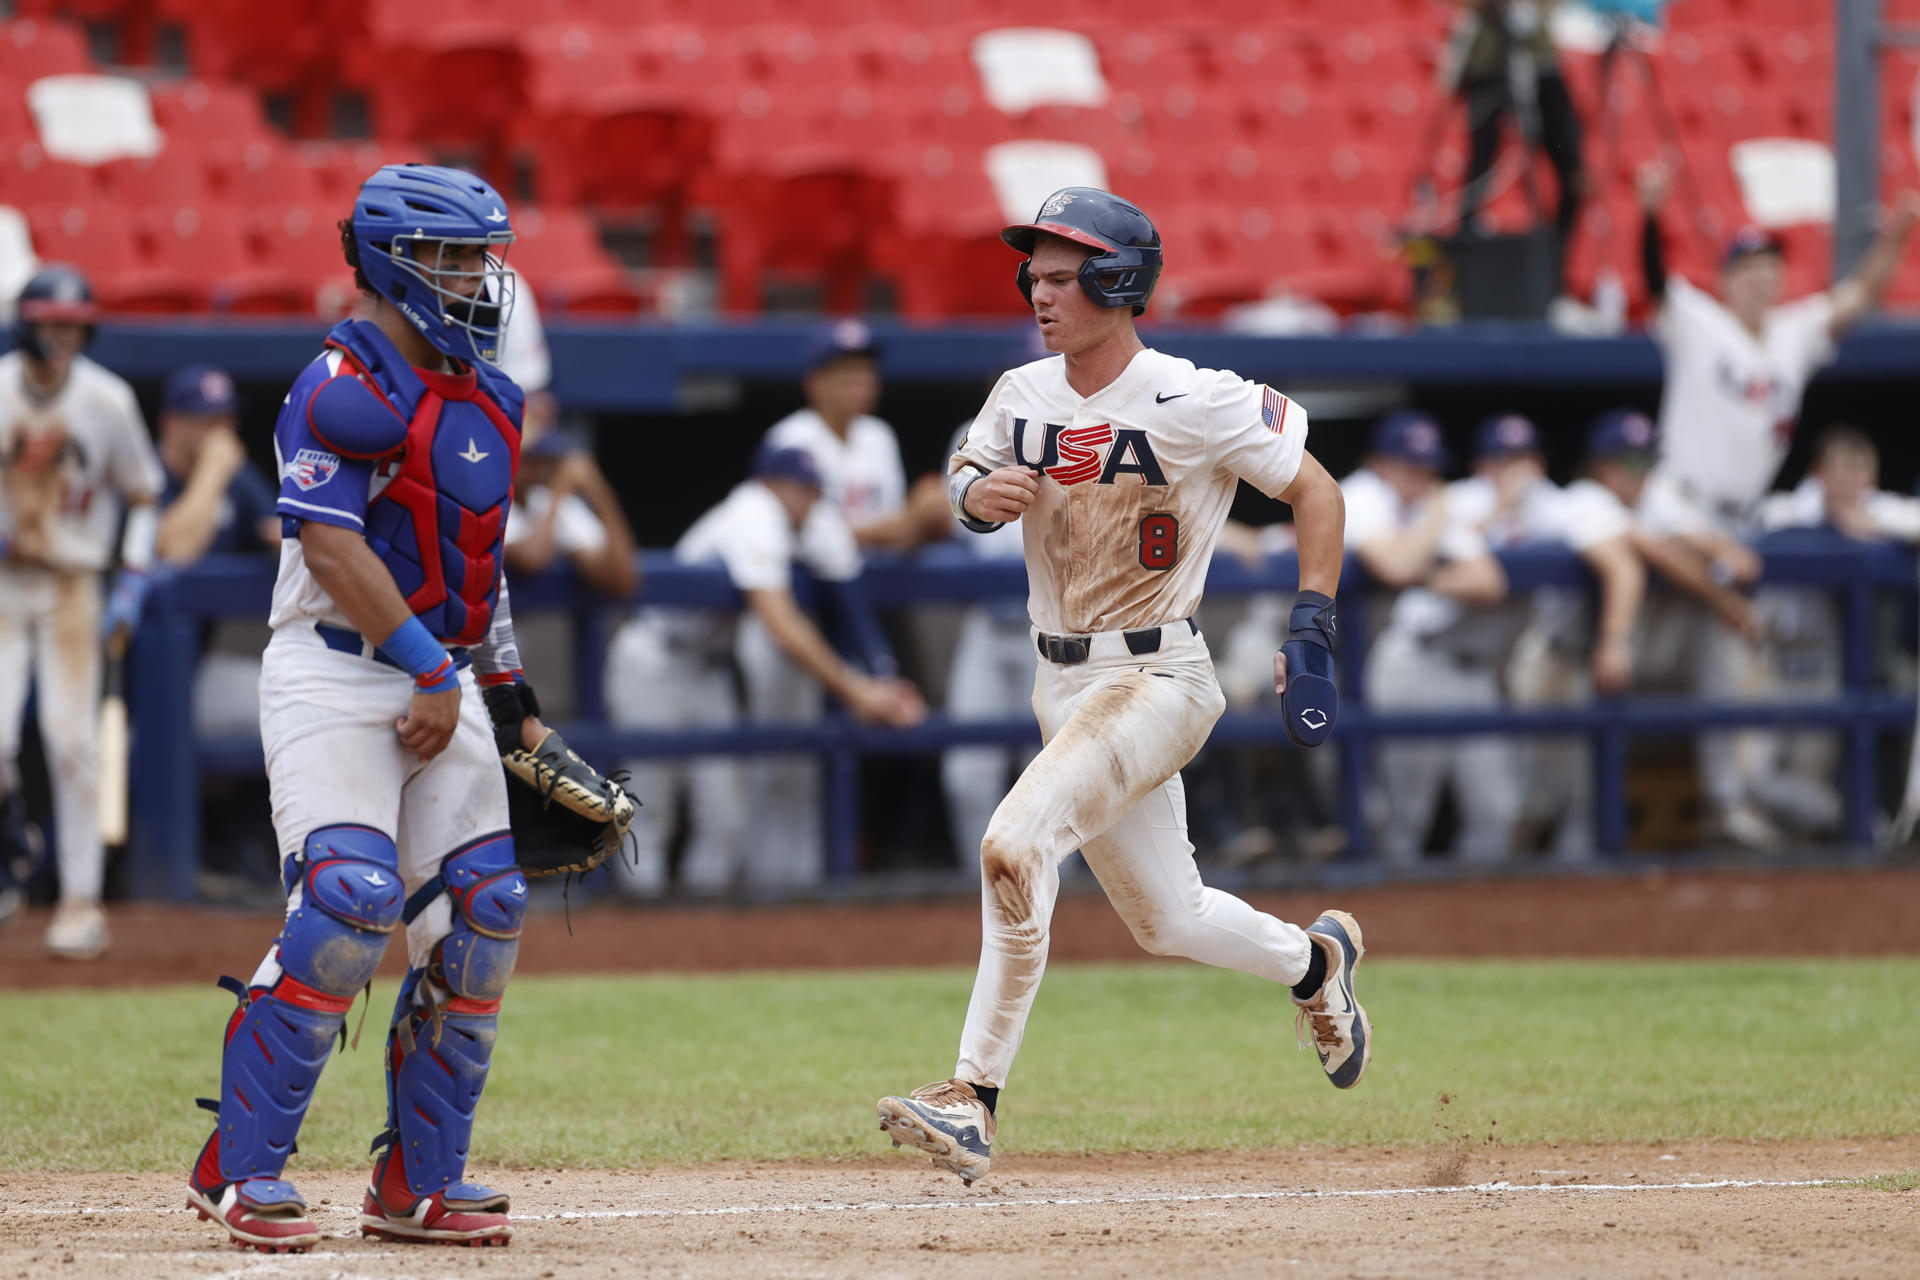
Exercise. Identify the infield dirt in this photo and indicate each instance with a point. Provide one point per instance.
(1558, 1211)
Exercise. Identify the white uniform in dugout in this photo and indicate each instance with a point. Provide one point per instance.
(1139, 478)
(1727, 415)
(68, 465)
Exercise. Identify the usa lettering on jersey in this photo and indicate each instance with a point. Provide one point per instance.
(1098, 452)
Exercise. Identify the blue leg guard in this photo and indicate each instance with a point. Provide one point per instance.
(442, 1037)
(278, 1040)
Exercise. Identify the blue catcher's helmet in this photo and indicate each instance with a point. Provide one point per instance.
(407, 212)
(55, 292)
(1123, 272)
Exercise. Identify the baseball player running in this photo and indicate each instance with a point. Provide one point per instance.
(1120, 463)
(73, 450)
(397, 450)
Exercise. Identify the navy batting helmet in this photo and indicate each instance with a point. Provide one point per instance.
(1127, 265)
(56, 292)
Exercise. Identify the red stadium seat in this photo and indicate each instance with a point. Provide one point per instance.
(264, 173)
(16, 122)
(28, 178)
(204, 244)
(99, 239)
(209, 111)
(297, 259)
(32, 48)
(559, 250)
(944, 253)
(177, 176)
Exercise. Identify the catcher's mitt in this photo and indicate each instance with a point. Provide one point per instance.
(566, 817)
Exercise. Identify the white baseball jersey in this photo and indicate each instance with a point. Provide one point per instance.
(68, 462)
(1895, 516)
(750, 534)
(1375, 509)
(861, 473)
(1582, 517)
(1727, 414)
(1136, 481)
(575, 529)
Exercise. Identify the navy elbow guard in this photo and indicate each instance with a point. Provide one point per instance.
(1311, 702)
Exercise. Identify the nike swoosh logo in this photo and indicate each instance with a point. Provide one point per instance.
(1160, 399)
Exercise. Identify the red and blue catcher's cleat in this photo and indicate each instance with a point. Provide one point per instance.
(463, 1213)
(260, 1213)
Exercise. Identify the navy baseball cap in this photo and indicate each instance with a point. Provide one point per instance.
(1749, 240)
(845, 338)
(1505, 435)
(199, 388)
(1411, 437)
(1622, 433)
(784, 462)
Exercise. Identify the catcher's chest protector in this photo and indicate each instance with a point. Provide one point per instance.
(439, 524)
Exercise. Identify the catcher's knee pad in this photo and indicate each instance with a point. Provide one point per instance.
(438, 1053)
(350, 900)
(489, 898)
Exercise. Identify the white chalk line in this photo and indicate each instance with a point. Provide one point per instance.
(1045, 1202)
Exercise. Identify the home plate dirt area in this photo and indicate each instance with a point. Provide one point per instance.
(1680, 1209)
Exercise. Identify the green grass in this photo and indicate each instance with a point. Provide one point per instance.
(1909, 1181)
(618, 1071)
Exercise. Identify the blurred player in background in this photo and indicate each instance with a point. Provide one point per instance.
(674, 671)
(1737, 368)
(1120, 464)
(398, 446)
(1568, 652)
(991, 678)
(215, 501)
(74, 456)
(858, 454)
(1448, 644)
(564, 506)
(1791, 774)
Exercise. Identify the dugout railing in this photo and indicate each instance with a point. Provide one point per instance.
(170, 758)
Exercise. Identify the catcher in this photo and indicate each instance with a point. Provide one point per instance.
(398, 447)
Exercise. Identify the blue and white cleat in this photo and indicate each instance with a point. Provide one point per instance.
(946, 1120)
(1342, 1036)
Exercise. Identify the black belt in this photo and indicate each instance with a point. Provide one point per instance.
(1069, 651)
(349, 641)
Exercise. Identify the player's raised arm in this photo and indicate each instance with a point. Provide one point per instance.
(1861, 290)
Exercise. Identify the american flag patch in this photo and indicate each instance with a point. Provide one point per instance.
(1273, 409)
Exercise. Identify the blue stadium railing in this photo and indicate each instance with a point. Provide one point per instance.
(170, 759)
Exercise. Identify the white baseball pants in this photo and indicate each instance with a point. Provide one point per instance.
(50, 633)
(653, 685)
(1117, 727)
(333, 756)
(785, 844)
(1406, 674)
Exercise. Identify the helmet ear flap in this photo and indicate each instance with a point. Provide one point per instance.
(1024, 279)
